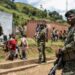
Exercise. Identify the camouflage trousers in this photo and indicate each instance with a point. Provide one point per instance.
(69, 68)
(41, 49)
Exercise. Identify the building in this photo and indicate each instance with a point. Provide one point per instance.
(6, 20)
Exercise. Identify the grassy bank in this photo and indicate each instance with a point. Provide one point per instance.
(32, 51)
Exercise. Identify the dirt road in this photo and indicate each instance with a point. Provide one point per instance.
(42, 69)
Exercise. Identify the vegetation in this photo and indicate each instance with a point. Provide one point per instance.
(32, 51)
(23, 12)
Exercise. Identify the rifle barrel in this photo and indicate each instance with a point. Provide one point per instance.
(53, 70)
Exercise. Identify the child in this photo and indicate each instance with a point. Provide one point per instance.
(24, 46)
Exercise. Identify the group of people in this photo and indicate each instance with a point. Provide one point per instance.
(58, 35)
(12, 47)
(68, 50)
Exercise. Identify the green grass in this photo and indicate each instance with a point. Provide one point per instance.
(1, 57)
(32, 51)
(57, 43)
(49, 50)
(31, 42)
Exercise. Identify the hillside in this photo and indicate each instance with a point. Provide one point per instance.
(23, 12)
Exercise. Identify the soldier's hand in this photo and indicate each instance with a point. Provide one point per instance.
(58, 53)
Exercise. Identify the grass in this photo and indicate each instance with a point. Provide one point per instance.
(32, 51)
(31, 42)
(57, 43)
(1, 57)
(2, 54)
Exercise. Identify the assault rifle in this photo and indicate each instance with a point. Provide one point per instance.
(58, 64)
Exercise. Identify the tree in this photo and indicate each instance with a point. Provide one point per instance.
(44, 13)
(8, 4)
(13, 0)
(25, 10)
(55, 15)
(33, 12)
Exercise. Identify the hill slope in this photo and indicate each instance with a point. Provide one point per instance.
(23, 12)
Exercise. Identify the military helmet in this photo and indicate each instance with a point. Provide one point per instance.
(72, 11)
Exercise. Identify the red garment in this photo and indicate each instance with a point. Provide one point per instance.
(12, 44)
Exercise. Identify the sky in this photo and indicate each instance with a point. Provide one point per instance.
(58, 5)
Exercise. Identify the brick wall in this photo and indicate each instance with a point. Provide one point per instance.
(31, 26)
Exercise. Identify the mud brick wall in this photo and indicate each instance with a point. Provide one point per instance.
(31, 27)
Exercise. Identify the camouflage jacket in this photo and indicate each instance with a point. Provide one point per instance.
(70, 39)
(69, 45)
(42, 35)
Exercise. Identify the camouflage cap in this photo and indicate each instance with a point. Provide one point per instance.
(72, 11)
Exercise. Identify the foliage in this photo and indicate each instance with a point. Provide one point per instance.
(23, 12)
(8, 4)
(31, 42)
(55, 16)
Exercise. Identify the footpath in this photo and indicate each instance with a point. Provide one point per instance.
(18, 65)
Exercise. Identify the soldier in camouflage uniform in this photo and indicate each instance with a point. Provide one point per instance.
(69, 46)
(41, 39)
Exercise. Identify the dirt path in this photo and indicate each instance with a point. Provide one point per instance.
(42, 69)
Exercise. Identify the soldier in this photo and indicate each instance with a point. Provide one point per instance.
(69, 46)
(53, 34)
(41, 39)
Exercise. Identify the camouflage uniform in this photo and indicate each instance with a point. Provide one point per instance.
(41, 44)
(69, 52)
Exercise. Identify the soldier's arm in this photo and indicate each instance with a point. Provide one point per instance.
(71, 44)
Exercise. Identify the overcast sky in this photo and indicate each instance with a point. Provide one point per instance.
(58, 5)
